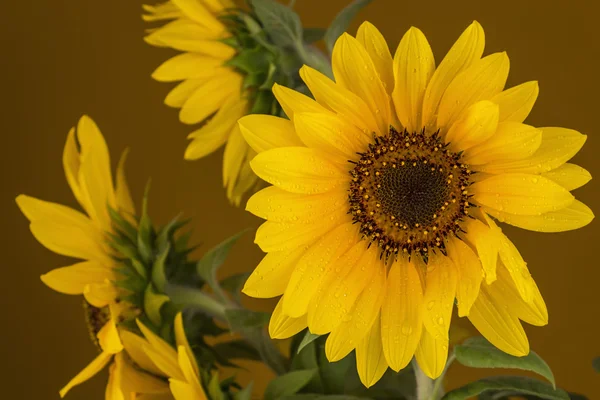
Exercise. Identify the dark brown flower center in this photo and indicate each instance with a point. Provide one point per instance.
(409, 192)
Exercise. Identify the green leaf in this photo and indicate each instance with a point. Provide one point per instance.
(251, 60)
(196, 298)
(214, 258)
(514, 384)
(234, 284)
(152, 304)
(280, 22)
(312, 35)
(596, 364)
(288, 384)
(244, 394)
(122, 224)
(341, 22)
(145, 234)
(236, 349)
(308, 338)
(214, 388)
(159, 277)
(240, 319)
(477, 352)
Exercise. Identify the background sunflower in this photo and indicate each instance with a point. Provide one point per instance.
(66, 59)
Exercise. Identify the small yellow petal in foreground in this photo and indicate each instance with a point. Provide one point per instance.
(265, 132)
(161, 353)
(183, 343)
(431, 354)
(134, 346)
(370, 359)
(109, 339)
(92, 369)
(73, 279)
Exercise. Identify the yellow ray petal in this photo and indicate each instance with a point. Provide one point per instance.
(233, 157)
(133, 380)
(277, 205)
(134, 346)
(569, 176)
(345, 103)
(216, 131)
(282, 326)
(295, 102)
(512, 141)
(438, 299)
(196, 11)
(331, 134)
(161, 353)
(122, 195)
(245, 181)
(354, 70)
(370, 360)
(357, 324)
(109, 339)
(466, 50)
(493, 320)
(483, 239)
(210, 96)
(401, 315)
(558, 146)
(574, 216)
(181, 93)
(271, 276)
(166, 10)
(482, 80)
(374, 42)
(340, 287)
(73, 279)
(89, 371)
(100, 294)
(114, 388)
(521, 194)
(477, 124)
(181, 34)
(469, 274)
(191, 374)
(413, 67)
(182, 390)
(183, 343)
(312, 266)
(298, 170)
(265, 132)
(516, 103)
(432, 354)
(189, 66)
(71, 164)
(517, 267)
(95, 177)
(283, 236)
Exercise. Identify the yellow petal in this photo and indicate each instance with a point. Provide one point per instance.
(134, 346)
(73, 279)
(122, 195)
(574, 216)
(182, 390)
(477, 124)
(312, 267)
(331, 134)
(161, 353)
(295, 102)
(233, 157)
(282, 326)
(483, 239)
(558, 146)
(210, 96)
(183, 344)
(432, 354)
(182, 92)
(216, 131)
(516, 103)
(189, 66)
(569, 176)
(517, 267)
(271, 276)
(335, 97)
(181, 34)
(191, 374)
(521, 194)
(413, 67)
(89, 371)
(439, 295)
(512, 141)
(161, 11)
(466, 50)
(277, 205)
(265, 132)
(374, 42)
(100, 294)
(114, 388)
(370, 359)
(283, 236)
(401, 315)
(357, 324)
(298, 170)
(62, 229)
(196, 11)
(354, 70)
(482, 80)
(340, 287)
(494, 321)
(135, 381)
(468, 273)
(71, 164)
(95, 175)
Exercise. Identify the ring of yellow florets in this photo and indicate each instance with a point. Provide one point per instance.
(409, 192)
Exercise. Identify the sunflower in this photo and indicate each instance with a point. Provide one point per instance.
(210, 91)
(68, 232)
(385, 193)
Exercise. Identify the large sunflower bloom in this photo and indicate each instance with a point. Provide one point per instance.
(209, 87)
(68, 232)
(379, 216)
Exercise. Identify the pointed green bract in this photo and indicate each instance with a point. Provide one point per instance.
(515, 385)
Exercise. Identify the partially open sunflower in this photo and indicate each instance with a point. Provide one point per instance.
(385, 190)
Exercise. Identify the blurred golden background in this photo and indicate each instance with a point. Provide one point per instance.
(63, 58)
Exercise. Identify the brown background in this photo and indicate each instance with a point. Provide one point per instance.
(62, 58)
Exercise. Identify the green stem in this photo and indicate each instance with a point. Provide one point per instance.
(427, 388)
